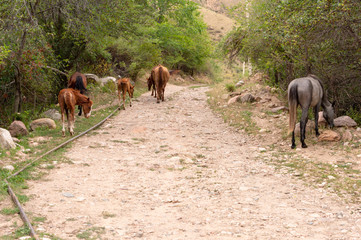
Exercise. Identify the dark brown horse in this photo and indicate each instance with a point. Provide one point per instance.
(125, 86)
(160, 76)
(78, 81)
(68, 98)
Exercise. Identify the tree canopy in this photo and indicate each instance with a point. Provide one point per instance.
(111, 37)
(293, 38)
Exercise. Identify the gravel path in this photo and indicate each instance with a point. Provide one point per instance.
(175, 170)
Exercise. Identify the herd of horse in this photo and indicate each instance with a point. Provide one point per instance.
(75, 94)
(307, 92)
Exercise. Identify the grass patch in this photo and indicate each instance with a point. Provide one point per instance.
(339, 178)
(9, 211)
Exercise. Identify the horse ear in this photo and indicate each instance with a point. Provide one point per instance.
(88, 99)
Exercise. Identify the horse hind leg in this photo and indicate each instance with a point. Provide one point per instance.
(63, 122)
(293, 146)
(303, 125)
(315, 113)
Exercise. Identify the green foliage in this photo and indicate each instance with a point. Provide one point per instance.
(230, 87)
(9, 211)
(290, 39)
(107, 38)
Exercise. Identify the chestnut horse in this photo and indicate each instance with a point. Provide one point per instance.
(160, 76)
(78, 81)
(151, 85)
(68, 98)
(125, 86)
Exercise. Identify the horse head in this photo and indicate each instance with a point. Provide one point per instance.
(87, 108)
(131, 90)
(149, 82)
(329, 114)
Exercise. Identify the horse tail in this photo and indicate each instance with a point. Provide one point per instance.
(292, 104)
(79, 84)
(160, 76)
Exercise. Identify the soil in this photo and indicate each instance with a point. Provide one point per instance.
(176, 170)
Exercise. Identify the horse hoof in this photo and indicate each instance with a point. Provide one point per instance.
(304, 146)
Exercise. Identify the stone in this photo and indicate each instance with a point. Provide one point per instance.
(344, 121)
(239, 83)
(9, 167)
(6, 141)
(233, 100)
(347, 136)
(43, 122)
(18, 128)
(248, 98)
(321, 120)
(276, 109)
(329, 136)
(53, 114)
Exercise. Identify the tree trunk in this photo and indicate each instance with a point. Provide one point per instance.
(18, 76)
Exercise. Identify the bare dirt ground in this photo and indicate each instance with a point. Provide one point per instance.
(175, 170)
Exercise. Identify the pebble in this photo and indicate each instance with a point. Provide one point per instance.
(9, 167)
(68, 195)
(262, 149)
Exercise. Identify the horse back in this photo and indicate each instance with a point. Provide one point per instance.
(160, 75)
(67, 99)
(77, 81)
(309, 91)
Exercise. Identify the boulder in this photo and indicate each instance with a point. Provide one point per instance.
(233, 100)
(53, 114)
(276, 109)
(239, 83)
(18, 128)
(248, 98)
(347, 136)
(42, 122)
(329, 136)
(321, 120)
(344, 121)
(6, 141)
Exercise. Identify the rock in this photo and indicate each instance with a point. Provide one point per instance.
(233, 100)
(248, 98)
(53, 114)
(240, 83)
(6, 141)
(225, 96)
(347, 136)
(18, 128)
(42, 122)
(344, 121)
(329, 136)
(321, 120)
(276, 109)
(9, 167)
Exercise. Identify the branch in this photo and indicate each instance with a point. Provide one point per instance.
(56, 70)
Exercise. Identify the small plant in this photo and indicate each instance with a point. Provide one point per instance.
(230, 87)
(9, 211)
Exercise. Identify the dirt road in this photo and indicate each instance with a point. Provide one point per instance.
(174, 170)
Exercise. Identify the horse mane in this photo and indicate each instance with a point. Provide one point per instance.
(80, 98)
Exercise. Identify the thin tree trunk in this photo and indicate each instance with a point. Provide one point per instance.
(18, 76)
